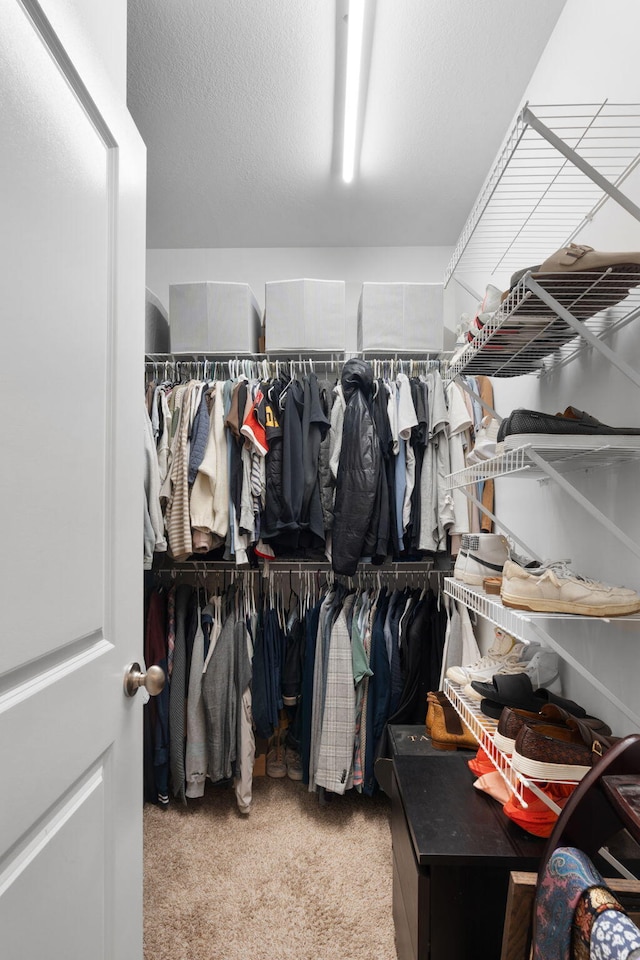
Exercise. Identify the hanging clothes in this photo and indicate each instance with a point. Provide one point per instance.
(196, 748)
(378, 693)
(459, 434)
(220, 705)
(315, 426)
(156, 710)
(177, 695)
(334, 769)
(242, 461)
(209, 501)
(387, 533)
(357, 478)
(291, 407)
(177, 514)
(273, 462)
(437, 513)
(154, 539)
(311, 623)
(341, 663)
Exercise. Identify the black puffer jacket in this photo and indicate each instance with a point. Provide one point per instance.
(358, 469)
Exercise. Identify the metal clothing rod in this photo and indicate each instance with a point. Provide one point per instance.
(582, 330)
(302, 566)
(265, 367)
(580, 163)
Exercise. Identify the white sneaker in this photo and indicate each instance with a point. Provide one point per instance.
(485, 671)
(486, 556)
(490, 303)
(554, 588)
(542, 669)
(539, 664)
(484, 447)
(294, 764)
(492, 300)
(489, 664)
(461, 559)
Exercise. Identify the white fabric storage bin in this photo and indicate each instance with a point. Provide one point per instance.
(210, 317)
(401, 317)
(156, 326)
(304, 315)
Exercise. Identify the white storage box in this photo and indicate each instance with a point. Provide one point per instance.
(401, 317)
(212, 317)
(304, 315)
(156, 327)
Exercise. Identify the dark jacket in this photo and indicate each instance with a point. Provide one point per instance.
(315, 427)
(358, 470)
(273, 462)
(325, 480)
(292, 463)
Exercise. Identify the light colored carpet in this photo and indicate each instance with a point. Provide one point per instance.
(292, 881)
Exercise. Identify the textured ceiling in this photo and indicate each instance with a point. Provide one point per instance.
(235, 101)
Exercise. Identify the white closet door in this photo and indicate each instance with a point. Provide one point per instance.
(72, 181)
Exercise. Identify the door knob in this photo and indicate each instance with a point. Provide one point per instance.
(153, 680)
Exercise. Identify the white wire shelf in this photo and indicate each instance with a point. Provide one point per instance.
(484, 730)
(529, 626)
(518, 462)
(540, 191)
(527, 336)
(514, 622)
(517, 623)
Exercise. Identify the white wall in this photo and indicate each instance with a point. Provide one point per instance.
(589, 58)
(257, 265)
(593, 48)
(95, 36)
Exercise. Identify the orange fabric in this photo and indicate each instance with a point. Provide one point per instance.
(494, 785)
(481, 764)
(537, 818)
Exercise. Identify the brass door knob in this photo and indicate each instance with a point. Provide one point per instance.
(153, 680)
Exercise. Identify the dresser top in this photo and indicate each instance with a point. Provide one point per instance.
(448, 819)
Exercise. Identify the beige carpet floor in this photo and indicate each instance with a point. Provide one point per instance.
(293, 880)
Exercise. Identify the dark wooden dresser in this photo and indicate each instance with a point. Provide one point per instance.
(453, 851)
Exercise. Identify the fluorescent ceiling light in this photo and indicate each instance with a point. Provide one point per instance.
(355, 27)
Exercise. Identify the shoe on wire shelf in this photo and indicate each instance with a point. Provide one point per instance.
(554, 588)
(503, 649)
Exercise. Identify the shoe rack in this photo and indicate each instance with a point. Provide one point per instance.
(554, 462)
(546, 323)
(544, 628)
(558, 166)
(484, 729)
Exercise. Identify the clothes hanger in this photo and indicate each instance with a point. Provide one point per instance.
(282, 613)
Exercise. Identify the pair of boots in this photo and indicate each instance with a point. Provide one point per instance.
(445, 727)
